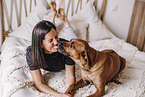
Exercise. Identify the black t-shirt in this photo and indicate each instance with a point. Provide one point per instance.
(54, 62)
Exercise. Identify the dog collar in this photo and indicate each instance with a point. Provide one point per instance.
(91, 64)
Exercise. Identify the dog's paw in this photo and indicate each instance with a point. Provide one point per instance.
(70, 89)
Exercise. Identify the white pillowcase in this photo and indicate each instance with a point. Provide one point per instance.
(96, 30)
(80, 29)
(86, 14)
(25, 30)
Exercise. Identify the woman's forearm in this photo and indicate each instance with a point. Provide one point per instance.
(46, 89)
(39, 82)
(70, 80)
(70, 75)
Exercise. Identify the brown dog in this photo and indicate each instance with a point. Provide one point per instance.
(97, 67)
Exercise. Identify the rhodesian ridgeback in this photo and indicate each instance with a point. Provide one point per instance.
(97, 67)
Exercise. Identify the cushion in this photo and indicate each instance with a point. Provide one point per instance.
(96, 30)
(80, 27)
(87, 13)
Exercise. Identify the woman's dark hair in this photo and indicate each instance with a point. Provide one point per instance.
(38, 35)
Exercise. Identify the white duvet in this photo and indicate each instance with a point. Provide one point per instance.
(16, 80)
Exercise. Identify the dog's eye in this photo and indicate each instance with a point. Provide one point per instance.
(83, 54)
(72, 45)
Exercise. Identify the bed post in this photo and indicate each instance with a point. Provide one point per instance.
(102, 11)
(1, 21)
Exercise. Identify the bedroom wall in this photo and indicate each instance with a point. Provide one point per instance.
(118, 16)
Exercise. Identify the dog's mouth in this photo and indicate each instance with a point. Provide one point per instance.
(61, 48)
(62, 51)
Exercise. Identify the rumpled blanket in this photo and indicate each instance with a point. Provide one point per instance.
(16, 80)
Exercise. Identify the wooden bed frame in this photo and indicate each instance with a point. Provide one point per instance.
(136, 34)
(6, 17)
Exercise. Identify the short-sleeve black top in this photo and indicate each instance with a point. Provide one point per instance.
(54, 62)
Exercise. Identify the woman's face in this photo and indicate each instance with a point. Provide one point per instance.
(50, 42)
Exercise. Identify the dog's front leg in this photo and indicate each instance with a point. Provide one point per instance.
(100, 90)
(80, 83)
(76, 85)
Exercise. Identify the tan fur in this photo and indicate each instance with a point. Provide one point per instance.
(107, 65)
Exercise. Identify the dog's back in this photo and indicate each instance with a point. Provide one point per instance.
(117, 64)
(116, 59)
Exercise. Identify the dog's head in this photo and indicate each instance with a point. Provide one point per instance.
(78, 50)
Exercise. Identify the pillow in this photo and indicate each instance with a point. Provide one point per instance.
(79, 21)
(80, 27)
(25, 30)
(87, 13)
(98, 31)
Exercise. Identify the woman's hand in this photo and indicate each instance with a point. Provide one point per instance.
(64, 95)
(70, 90)
(39, 82)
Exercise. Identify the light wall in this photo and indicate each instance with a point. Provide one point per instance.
(118, 16)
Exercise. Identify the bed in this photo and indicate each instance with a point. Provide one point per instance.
(87, 20)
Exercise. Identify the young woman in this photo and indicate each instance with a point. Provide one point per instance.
(43, 53)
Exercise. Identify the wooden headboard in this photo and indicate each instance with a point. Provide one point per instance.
(136, 34)
(20, 9)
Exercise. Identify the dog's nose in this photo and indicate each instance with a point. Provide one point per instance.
(60, 45)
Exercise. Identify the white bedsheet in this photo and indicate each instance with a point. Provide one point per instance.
(16, 80)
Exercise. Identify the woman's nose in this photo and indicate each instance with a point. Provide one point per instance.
(55, 41)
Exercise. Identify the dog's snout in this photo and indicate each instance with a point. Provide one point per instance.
(60, 43)
(60, 47)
